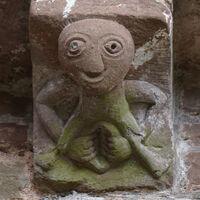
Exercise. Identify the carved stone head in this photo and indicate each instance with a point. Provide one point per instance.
(96, 53)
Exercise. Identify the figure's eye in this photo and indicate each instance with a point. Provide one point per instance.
(113, 47)
(76, 47)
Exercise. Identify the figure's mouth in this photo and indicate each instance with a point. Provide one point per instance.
(93, 74)
(92, 77)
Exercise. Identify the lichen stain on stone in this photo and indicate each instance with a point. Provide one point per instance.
(146, 52)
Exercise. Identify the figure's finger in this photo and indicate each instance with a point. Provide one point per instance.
(88, 144)
(103, 152)
(93, 136)
(89, 157)
(110, 157)
(107, 133)
(88, 151)
(103, 141)
(111, 146)
(110, 139)
(108, 150)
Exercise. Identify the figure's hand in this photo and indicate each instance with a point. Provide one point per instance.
(83, 149)
(116, 149)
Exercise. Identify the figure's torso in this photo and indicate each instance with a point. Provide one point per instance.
(104, 107)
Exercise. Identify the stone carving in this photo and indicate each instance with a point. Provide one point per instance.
(102, 132)
(101, 96)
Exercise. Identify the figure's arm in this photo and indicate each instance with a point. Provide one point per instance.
(49, 96)
(71, 130)
(141, 91)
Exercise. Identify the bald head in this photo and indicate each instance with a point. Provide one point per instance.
(96, 53)
(96, 28)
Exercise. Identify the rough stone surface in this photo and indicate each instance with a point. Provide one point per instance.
(12, 135)
(186, 60)
(149, 28)
(15, 105)
(15, 63)
(15, 74)
(12, 179)
(191, 96)
(148, 23)
(125, 196)
(15, 81)
(15, 176)
(193, 164)
(191, 132)
(186, 86)
(15, 100)
(187, 35)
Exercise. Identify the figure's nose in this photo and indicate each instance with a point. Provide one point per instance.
(95, 66)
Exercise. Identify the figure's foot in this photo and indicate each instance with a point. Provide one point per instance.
(156, 164)
(164, 165)
(98, 164)
(46, 160)
(83, 150)
(115, 148)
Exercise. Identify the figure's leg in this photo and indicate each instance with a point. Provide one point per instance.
(130, 130)
(72, 129)
(114, 147)
(84, 151)
(47, 160)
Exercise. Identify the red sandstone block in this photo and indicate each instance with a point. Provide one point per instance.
(191, 132)
(193, 173)
(12, 135)
(191, 100)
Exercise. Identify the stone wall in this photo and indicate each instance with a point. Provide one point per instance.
(187, 92)
(15, 65)
(15, 101)
(16, 106)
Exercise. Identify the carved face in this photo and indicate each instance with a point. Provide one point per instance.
(96, 53)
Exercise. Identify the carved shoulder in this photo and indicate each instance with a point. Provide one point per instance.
(141, 91)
